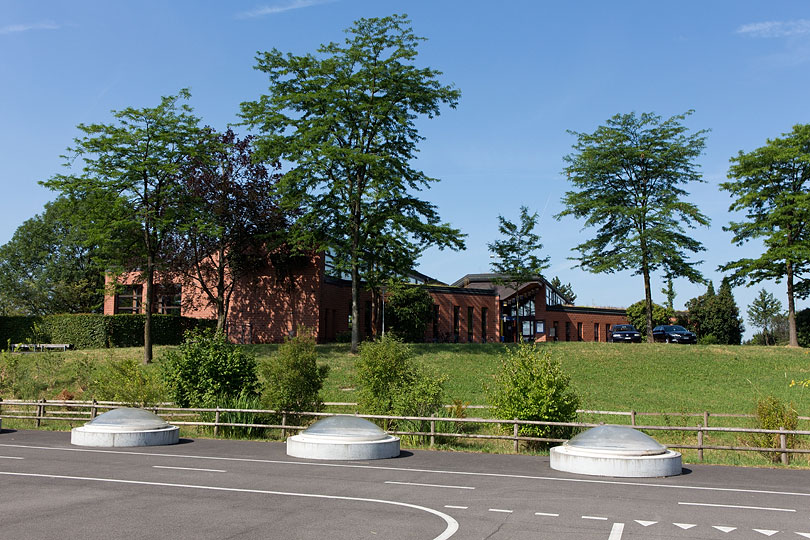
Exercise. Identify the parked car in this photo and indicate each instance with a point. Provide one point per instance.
(624, 333)
(673, 333)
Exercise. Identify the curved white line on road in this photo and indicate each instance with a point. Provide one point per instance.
(450, 530)
(432, 471)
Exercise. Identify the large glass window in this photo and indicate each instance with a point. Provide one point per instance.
(552, 298)
(527, 306)
(169, 300)
(129, 300)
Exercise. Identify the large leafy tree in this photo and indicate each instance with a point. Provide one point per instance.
(514, 256)
(231, 220)
(346, 121)
(134, 165)
(627, 178)
(716, 314)
(48, 266)
(771, 187)
(763, 313)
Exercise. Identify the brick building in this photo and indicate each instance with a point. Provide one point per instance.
(269, 305)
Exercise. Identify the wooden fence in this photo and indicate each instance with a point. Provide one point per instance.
(82, 411)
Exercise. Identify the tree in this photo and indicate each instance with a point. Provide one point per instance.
(515, 261)
(231, 219)
(136, 163)
(669, 291)
(699, 312)
(48, 267)
(762, 313)
(771, 185)
(346, 121)
(565, 289)
(637, 315)
(627, 177)
(408, 311)
(715, 317)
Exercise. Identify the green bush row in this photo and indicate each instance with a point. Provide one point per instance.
(96, 331)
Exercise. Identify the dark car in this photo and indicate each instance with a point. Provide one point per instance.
(673, 333)
(624, 333)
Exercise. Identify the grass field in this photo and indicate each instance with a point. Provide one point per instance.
(613, 377)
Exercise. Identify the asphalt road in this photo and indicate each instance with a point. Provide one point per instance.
(214, 489)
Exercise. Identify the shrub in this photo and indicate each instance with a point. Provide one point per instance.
(637, 315)
(531, 385)
(292, 379)
(127, 381)
(774, 414)
(408, 309)
(390, 384)
(205, 367)
(245, 400)
(708, 340)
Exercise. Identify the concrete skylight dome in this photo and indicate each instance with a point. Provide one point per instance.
(343, 438)
(615, 451)
(125, 426)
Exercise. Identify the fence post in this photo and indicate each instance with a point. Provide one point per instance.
(515, 432)
(284, 423)
(783, 446)
(216, 422)
(432, 429)
(632, 418)
(94, 409)
(705, 418)
(700, 443)
(40, 412)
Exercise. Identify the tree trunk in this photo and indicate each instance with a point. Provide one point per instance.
(648, 304)
(221, 311)
(355, 308)
(147, 325)
(794, 339)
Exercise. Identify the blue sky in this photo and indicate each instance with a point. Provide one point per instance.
(528, 71)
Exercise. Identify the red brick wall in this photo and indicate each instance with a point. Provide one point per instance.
(447, 301)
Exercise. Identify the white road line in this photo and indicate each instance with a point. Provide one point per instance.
(597, 518)
(450, 530)
(431, 471)
(545, 514)
(766, 532)
(806, 535)
(501, 511)
(456, 507)
(737, 506)
(10, 457)
(724, 529)
(645, 523)
(427, 485)
(685, 526)
(616, 531)
(187, 468)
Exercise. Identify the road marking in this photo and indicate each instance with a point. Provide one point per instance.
(724, 529)
(456, 507)
(766, 532)
(545, 514)
(501, 511)
(740, 507)
(685, 526)
(427, 485)
(450, 530)
(645, 523)
(186, 468)
(11, 457)
(431, 471)
(806, 535)
(616, 531)
(597, 518)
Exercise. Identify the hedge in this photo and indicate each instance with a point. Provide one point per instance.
(97, 331)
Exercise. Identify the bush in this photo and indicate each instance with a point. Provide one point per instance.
(708, 340)
(127, 381)
(205, 368)
(531, 385)
(292, 379)
(774, 414)
(390, 384)
(637, 315)
(245, 400)
(408, 310)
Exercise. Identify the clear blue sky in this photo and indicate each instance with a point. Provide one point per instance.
(528, 71)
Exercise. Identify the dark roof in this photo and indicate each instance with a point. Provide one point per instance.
(487, 281)
(588, 309)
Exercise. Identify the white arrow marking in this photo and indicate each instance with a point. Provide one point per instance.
(724, 529)
(685, 526)
(766, 532)
(645, 523)
(806, 535)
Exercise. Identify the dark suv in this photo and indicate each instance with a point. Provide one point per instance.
(624, 333)
(673, 333)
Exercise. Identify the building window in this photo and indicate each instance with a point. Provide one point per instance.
(484, 312)
(567, 331)
(526, 306)
(552, 298)
(469, 324)
(596, 331)
(436, 322)
(556, 331)
(129, 300)
(528, 329)
(579, 331)
(169, 300)
(541, 327)
(607, 331)
(456, 322)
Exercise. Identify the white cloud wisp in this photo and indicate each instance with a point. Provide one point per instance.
(280, 8)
